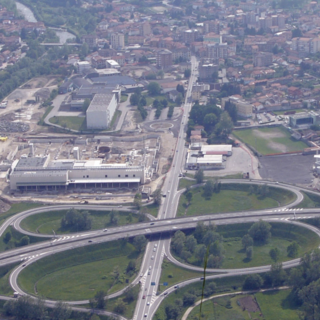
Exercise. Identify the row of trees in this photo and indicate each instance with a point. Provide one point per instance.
(205, 240)
(217, 124)
(76, 220)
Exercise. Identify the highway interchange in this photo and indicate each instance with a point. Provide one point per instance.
(166, 221)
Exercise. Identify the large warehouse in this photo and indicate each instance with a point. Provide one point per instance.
(39, 173)
(101, 110)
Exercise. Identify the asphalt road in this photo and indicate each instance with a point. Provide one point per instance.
(150, 271)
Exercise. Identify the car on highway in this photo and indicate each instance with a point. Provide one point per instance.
(90, 241)
(143, 297)
(154, 249)
(145, 315)
(104, 230)
(202, 278)
(165, 293)
(176, 286)
(152, 257)
(151, 224)
(155, 244)
(148, 303)
(149, 272)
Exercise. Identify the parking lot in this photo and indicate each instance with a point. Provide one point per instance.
(287, 168)
(267, 117)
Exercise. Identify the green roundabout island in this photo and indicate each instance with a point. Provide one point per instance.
(78, 274)
(235, 246)
(218, 198)
(76, 220)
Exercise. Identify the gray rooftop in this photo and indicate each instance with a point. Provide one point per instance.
(36, 162)
(100, 102)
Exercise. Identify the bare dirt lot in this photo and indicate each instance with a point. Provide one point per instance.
(248, 303)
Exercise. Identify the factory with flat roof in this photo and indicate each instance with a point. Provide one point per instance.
(207, 157)
(39, 173)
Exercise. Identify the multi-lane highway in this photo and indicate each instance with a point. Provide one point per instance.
(158, 247)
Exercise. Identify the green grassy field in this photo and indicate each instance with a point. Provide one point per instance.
(79, 273)
(124, 98)
(233, 197)
(229, 284)
(152, 209)
(282, 236)
(310, 200)
(74, 123)
(47, 221)
(274, 305)
(5, 288)
(173, 274)
(270, 140)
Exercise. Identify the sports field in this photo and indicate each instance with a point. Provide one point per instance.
(270, 140)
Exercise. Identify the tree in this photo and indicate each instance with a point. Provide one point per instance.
(260, 231)
(120, 306)
(310, 297)
(137, 200)
(144, 59)
(274, 254)
(76, 220)
(200, 252)
(252, 282)
(209, 121)
(85, 105)
(199, 176)
(134, 99)
(189, 299)
(157, 197)
(200, 231)
(277, 274)
(208, 189)
(164, 103)
(61, 311)
(187, 73)
(296, 33)
(191, 243)
(99, 299)
(7, 237)
(180, 88)
(114, 217)
(155, 103)
(154, 89)
(247, 241)
(140, 242)
(210, 237)
(224, 126)
(249, 252)
(293, 250)
(131, 266)
(172, 311)
(129, 294)
(143, 101)
(188, 196)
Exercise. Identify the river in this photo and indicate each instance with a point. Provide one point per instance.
(29, 16)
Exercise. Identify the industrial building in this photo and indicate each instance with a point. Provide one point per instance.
(39, 173)
(207, 157)
(304, 119)
(101, 110)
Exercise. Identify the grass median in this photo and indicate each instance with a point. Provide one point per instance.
(282, 236)
(232, 198)
(80, 273)
(45, 222)
(265, 305)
